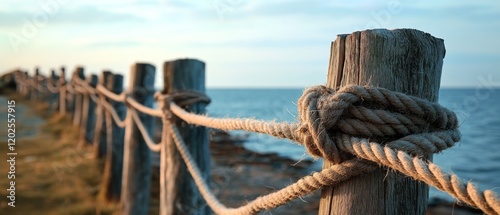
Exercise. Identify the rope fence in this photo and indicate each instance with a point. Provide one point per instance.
(355, 128)
(376, 125)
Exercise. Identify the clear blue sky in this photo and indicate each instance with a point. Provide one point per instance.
(244, 43)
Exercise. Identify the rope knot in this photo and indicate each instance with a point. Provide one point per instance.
(400, 121)
(181, 98)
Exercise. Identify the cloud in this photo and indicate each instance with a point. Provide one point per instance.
(113, 44)
(74, 16)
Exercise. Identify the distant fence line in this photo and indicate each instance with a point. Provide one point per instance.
(411, 129)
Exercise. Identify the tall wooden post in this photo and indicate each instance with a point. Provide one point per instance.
(88, 115)
(113, 168)
(99, 141)
(34, 88)
(77, 97)
(137, 159)
(182, 195)
(53, 97)
(62, 91)
(403, 60)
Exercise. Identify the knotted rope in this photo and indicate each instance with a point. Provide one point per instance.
(379, 114)
(375, 124)
(402, 129)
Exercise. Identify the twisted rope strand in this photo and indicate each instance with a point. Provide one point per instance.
(279, 130)
(327, 177)
(155, 147)
(424, 171)
(116, 97)
(110, 109)
(416, 126)
(141, 108)
(423, 128)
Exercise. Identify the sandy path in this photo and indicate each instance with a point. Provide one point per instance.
(27, 123)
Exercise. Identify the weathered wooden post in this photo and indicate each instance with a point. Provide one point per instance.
(34, 89)
(99, 142)
(53, 97)
(182, 195)
(62, 91)
(88, 115)
(19, 82)
(137, 162)
(113, 167)
(27, 86)
(403, 60)
(77, 97)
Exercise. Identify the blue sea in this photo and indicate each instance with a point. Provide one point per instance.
(475, 158)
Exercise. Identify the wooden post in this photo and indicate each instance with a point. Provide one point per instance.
(34, 90)
(182, 196)
(27, 87)
(88, 115)
(137, 159)
(62, 91)
(53, 97)
(113, 167)
(77, 97)
(99, 142)
(403, 60)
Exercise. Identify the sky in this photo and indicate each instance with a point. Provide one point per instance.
(258, 43)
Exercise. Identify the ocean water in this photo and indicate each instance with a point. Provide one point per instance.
(475, 158)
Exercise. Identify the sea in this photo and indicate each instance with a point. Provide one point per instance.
(475, 158)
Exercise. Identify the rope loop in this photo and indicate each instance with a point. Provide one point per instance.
(401, 121)
(181, 98)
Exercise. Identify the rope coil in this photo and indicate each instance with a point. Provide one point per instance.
(375, 113)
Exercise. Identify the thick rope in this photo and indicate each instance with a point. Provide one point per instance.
(70, 89)
(141, 108)
(110, 109)
(424, 171)
(52, 88)
(327, 177)
(402, 122)
(279, 130)
(155, 147)
(116, 97)
(408, 126)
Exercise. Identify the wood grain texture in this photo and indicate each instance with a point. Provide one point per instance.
(87, 122)
(62, 93)
(99, 141)
(182, 195)
(403, 60)
(53, 97)
(78, 98)
(113, 166)
(34, 92)
(136, 182)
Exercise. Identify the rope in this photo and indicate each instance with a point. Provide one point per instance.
(401, 122)
(94, 97)
(279, 130)
(142, 108)
(70, 89)
(424, 171)
(119, 98)
(327, 177)
(353, 119)
(119, 122)
(149, 142)
(52, 89)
